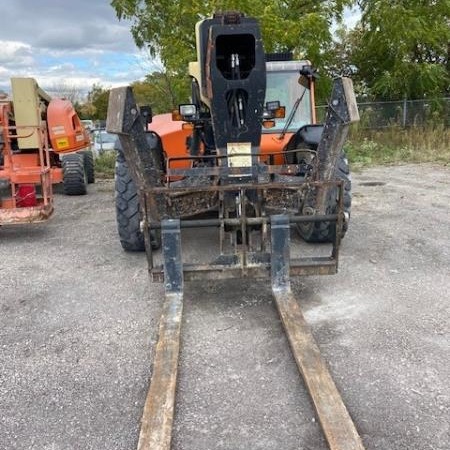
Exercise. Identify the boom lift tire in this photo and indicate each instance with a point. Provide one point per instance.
(326, 231)
(128, 210)
(74, 175)
(88, 160)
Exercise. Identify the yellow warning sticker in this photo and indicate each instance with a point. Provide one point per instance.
(62, 143)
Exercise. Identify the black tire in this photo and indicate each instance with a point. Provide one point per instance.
(128, 211)
(326, 231)
(74, 175)
(89, 168)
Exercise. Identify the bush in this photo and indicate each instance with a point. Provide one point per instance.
(397, 145)
(104, 164)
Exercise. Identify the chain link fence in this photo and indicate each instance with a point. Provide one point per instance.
(404, 114)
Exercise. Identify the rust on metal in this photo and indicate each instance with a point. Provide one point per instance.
(157, 418)
(205, 272)
(341, 112)
(337, 425)
(35, 214)
(144, 165)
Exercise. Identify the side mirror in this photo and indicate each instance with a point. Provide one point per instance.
(307, 74)
(146, 113)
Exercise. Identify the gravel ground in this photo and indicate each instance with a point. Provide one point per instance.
(79, 321)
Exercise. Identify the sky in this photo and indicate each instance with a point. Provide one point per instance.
(67, 44)
(71, 45)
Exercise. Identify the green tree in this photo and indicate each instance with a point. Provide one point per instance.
(401, 48)
(166, 27)
(97, 102)
(160, 90)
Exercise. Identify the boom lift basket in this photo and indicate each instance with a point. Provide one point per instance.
(25, 179)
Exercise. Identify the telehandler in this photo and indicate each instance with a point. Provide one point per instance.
(245, 158)
(42, 143)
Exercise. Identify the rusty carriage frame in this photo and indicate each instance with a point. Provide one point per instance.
(172, 199)
(245, 258)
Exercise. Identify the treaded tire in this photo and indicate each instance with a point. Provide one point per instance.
(128, 212)
(74, 176)
(89, 168)
(326, 231)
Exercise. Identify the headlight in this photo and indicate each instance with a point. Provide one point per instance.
(188, 110)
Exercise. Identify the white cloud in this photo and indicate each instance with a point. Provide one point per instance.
(82, 42)
(15, 54)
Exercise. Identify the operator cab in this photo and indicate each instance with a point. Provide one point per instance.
(283, 86)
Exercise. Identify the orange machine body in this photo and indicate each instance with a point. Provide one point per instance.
(65, 130)
(27, 175)
(174, 137)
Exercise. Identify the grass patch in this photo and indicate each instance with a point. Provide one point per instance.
(104, 165)
(397, 145)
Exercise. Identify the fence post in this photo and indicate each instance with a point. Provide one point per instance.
(405, 103)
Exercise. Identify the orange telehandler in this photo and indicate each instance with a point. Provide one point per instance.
(232, 161)
(42, 142)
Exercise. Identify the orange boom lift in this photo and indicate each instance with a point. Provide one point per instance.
(35, 131)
